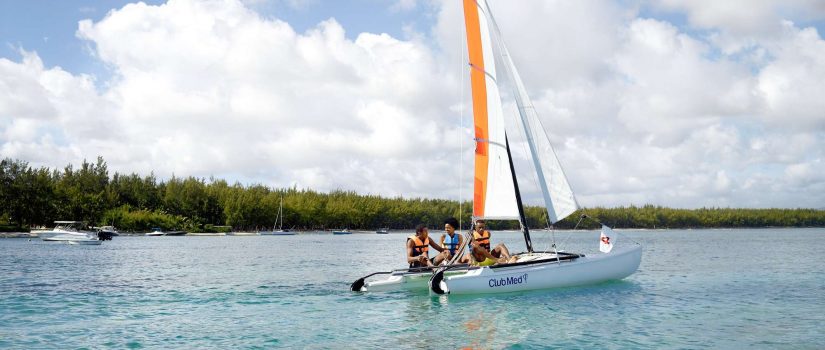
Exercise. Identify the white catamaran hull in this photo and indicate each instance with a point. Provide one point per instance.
(404, 281)
(399, 282)
(616, 265)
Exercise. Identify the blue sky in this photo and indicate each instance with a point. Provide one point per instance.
(669, 102)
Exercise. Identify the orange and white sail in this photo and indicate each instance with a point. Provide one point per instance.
(494, 193)
(558, 196)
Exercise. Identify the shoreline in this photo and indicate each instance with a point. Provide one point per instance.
(405, 231)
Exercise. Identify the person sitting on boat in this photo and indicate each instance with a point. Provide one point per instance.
(451, 240)
(482, 236)
(482, 257)
(418, 249)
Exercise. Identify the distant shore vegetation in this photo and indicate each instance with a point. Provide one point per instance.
(32, 197)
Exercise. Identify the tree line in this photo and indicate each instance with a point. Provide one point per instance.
(38, 196)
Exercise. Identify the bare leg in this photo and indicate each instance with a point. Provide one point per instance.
(501, 251)
(441, 257)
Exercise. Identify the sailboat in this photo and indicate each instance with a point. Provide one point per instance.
(496, 190)
(279, 220)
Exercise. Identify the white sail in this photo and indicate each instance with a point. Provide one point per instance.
(494, 193)
(558, 196)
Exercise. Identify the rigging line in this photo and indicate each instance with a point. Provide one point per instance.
(618, 233)
(569, 233)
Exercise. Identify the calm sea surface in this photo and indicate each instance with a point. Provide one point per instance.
(729, 289)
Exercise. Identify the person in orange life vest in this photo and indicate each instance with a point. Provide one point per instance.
(480, 247)
(482, 257)
(451, 240)
(418, 248)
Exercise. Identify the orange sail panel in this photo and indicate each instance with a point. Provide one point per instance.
(494, 194)
(479, 89)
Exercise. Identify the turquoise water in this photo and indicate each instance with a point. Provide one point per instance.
(695, 289)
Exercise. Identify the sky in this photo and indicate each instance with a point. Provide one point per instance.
(676, 103)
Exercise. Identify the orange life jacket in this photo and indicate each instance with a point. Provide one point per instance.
(482, 239)
(420, 248)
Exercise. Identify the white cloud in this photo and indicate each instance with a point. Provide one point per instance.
(213, 88)
(640, 110)
(745, 17)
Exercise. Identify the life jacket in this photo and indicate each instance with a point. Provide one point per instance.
(450, 243)
(419, 248)
(482, 239)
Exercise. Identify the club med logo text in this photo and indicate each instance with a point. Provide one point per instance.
(500, 282)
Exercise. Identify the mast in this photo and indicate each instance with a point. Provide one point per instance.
(281, 215)
(522, 220)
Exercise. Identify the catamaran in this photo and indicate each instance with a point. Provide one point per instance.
(496, 190)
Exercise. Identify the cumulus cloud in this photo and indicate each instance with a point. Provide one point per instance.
(639, 109)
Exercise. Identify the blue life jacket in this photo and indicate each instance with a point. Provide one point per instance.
(450, 242)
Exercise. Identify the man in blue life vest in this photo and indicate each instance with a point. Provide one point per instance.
(451, 240)
(418, 248)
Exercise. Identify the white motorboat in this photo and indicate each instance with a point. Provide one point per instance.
(496, 188)
(156, 231)
(242, 233)
(69, 231)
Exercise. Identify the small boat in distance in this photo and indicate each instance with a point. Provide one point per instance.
(383, 231)
(105, 233)
(277, 233)
(242, 233)
(71, 232)
(156, 231)
(345, 231)
(279, 220)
